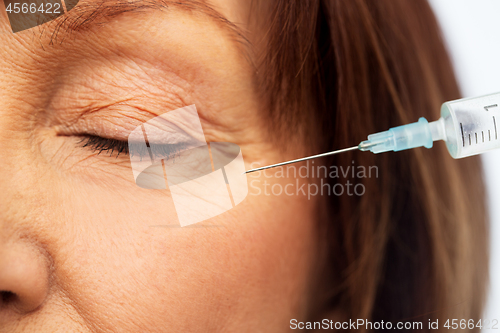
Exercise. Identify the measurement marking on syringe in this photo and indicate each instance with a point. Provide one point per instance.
(489, 134)
(476, 136)
(490, 106)
(495, 124)
(482, 132)
(469, 140)
(463, 139)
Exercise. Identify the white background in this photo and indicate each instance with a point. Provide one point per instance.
(472, 32)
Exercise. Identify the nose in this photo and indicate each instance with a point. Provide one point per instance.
(24, 272)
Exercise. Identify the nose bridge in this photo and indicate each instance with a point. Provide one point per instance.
(19, 191)
(24, 267)
(16, 167)
(7, 170)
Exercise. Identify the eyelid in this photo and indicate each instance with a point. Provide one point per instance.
(121, 127)
(174, 127)
(180, 125)
(167, 128)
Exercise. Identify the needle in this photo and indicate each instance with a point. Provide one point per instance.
(303, 159)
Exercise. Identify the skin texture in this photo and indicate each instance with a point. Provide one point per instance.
(82, 248)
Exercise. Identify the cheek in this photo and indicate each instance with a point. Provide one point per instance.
(252, 259)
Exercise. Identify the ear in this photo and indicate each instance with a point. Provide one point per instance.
(31, 13)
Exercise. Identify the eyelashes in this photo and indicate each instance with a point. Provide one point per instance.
(113, 146)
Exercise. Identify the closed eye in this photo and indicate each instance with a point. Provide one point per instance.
(112, 146)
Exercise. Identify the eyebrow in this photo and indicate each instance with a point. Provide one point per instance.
(89, 14)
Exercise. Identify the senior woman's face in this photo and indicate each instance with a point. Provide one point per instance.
(82, 248)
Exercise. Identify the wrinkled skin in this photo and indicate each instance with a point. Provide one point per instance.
(82, 248)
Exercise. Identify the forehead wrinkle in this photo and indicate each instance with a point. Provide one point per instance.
(89, 14)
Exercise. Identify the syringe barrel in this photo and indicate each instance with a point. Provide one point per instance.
(472, 125)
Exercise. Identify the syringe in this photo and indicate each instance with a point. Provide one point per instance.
(468, 126)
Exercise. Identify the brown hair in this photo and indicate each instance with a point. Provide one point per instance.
(414, 246)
